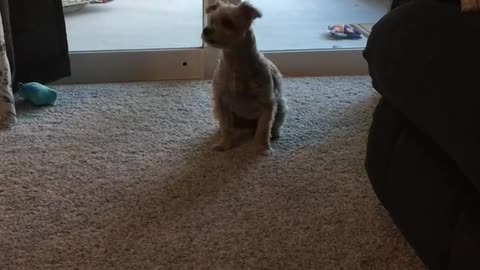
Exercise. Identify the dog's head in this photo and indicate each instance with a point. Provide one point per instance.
(228, 23)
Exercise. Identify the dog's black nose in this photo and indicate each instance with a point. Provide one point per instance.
(207, 31)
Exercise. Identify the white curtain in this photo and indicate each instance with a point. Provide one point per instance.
(7, 102)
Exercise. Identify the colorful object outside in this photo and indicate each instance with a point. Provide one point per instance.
(344, 31)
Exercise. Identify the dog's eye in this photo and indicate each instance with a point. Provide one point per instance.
(228, 23)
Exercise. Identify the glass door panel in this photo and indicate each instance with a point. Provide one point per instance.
(106, 25)
(303, 25)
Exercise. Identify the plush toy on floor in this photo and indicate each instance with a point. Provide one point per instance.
(37, 94)
(344, 31)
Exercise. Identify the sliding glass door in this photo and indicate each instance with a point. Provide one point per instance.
(129, 25)
(304, 25)
(131, 40)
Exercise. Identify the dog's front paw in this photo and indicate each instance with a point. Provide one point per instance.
(263, 150)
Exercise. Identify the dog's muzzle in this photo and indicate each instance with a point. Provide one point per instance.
(207, 31)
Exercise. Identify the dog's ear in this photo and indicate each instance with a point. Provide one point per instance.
(213, 7)
(249, 11)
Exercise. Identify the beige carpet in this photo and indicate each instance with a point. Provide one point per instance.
(121, 176)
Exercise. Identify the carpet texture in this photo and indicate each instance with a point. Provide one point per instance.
(121, 176)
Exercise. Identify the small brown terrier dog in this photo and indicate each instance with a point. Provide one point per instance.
(247, 87)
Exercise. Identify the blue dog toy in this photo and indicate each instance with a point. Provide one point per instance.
(38, 94)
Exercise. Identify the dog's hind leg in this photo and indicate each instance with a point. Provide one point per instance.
(280, 116)
(264, 127)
